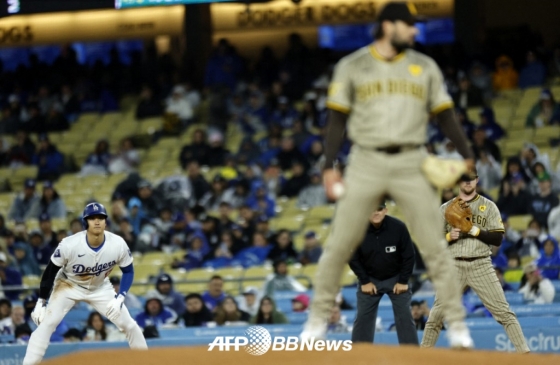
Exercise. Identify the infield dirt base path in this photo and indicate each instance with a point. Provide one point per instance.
(359, 355)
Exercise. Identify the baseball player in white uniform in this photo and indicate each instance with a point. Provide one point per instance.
(79, 271)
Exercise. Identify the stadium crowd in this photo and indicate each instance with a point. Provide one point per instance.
(282, 101)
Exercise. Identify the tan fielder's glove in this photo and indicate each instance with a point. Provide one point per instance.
(459, 215)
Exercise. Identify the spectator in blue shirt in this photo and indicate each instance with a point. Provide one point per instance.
(260, 201)
(499, 259)
(488, 123)
(312, 249)
(9, 277)
(51, 203)
(26, 260)
(550, 257)
(98, 161)
(215, 293)
(284, 115)
(22, 206)
(48, 159)
(42, 251)
(254, 255)
(165, 292)
(534, 72)
(155, 314)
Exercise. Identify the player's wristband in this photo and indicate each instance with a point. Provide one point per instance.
(475, 231)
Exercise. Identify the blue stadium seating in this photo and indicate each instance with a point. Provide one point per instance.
(525, 322)
(536, 310)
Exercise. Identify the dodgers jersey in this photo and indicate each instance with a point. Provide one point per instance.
(83, 266)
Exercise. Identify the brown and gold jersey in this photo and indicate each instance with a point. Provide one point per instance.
(486, 216)
(389, 102)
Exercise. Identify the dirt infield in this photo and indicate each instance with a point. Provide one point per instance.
(359, 355)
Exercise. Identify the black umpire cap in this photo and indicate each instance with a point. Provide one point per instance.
(394, 11)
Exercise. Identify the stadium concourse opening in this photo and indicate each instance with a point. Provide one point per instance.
(361, 354)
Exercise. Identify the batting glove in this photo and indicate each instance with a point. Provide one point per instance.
(39, 311)
(114, 307)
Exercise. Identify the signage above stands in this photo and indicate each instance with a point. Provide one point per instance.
(123, 4)
(25, 30)
(286, 14)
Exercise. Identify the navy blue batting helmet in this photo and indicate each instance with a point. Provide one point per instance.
(94, 209)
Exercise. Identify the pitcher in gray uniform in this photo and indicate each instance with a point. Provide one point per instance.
(383, 95)
(472, 252)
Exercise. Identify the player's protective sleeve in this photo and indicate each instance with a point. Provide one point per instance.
(127, 279)
(336, 128)
(452, 130)
(491, 238)
(47, 280)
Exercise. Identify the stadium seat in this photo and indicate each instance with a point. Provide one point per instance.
(292, 224)
(536, 310)
(77, 315)
(18, 176)
(156, 258)
(255, 276)
(308, 271)
(513, 276)
(146, 272)
(473, 114)
(325, 212)
(232, 278)
(202, 276)
(31, 281)
(519, 222)
(151, 125)
(348, 277)
(544, 134)
(6, 200)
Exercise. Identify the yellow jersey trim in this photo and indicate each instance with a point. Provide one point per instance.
(497, 230)
(373, 52)
(447, 105)
(338, 107)
(475, 198)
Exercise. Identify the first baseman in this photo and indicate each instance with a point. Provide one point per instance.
(383, 94)
(79, 270)
(471, 252)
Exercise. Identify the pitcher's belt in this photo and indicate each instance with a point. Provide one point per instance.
(470, 259)
(393, 150)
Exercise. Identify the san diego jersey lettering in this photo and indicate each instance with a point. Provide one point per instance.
(486, 216)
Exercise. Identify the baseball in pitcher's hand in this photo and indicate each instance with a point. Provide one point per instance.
(330, 178)
(369, 288)
(400, 288)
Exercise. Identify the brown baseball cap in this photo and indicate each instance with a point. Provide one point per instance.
(396, 10)
(470, 175)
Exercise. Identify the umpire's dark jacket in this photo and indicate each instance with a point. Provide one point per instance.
(384, 253)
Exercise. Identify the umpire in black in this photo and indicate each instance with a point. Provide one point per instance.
(383, 264)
